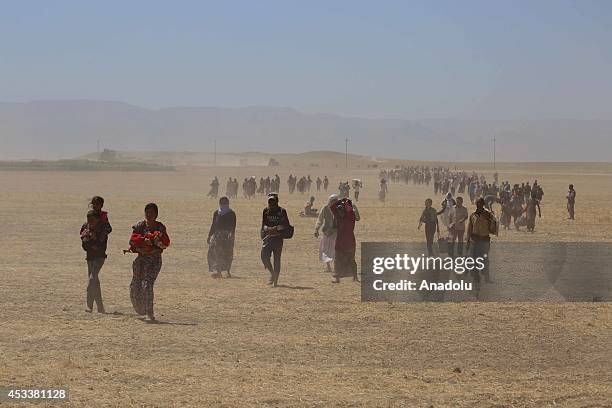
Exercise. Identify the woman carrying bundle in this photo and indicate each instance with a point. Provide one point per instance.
(149, 239)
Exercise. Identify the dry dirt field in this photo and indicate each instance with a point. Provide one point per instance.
(237, 342)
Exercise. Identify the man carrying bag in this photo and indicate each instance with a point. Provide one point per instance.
(275, 227)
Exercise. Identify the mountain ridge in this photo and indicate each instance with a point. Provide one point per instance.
(69, 128)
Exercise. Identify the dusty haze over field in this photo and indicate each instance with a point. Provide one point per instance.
(64, 129)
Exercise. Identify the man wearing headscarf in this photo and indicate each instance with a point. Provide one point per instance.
(447, 206)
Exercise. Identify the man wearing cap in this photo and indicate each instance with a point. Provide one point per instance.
(274, 222)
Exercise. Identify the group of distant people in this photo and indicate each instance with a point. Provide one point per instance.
(520, 203)
(304, 184)
(251, 187)
(344, 189)
(231, 188)
(417, 174)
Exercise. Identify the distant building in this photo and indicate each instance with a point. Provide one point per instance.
(108, 155)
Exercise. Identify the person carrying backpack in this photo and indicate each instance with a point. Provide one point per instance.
(480, 227)
(275, 227)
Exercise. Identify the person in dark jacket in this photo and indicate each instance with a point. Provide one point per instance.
(221, 239)
(274, 224)
(94, 239)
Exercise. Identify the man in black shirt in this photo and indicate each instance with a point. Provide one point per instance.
(274, 222)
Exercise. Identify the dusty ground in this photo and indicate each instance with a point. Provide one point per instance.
(237, 342)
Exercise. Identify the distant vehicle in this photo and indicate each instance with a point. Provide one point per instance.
(273, 162)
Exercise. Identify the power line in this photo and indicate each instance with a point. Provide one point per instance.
(494, 162)
(346, 152)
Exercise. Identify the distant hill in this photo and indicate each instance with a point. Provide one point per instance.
(325, 159)
(64, 129)
(81, 165)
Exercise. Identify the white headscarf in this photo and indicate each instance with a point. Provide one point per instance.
(448, 201)
(224, 208)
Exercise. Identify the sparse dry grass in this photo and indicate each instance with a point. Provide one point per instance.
(236, 342)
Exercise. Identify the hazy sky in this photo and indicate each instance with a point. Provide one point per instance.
(461, 59)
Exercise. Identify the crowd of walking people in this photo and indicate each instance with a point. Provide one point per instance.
(462, 231)
(251, 187)
(519, 203)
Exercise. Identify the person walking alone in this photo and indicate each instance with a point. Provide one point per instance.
(274, 226)
(429, 217)
(149, 239)
(571, 201)
(481, 225)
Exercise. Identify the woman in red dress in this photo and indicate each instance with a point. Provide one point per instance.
(344, 262)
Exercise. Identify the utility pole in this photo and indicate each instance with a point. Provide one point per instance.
(98, 147)
(346, 152)
(494, 164)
